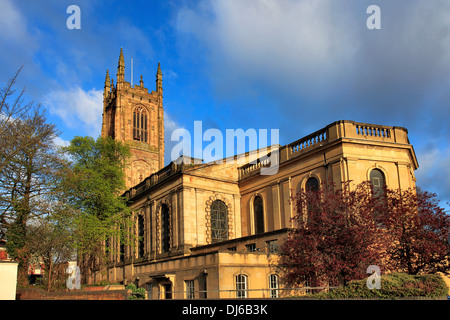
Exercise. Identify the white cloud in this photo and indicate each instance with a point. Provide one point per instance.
(169, 123)
(169, 126)
(61, 142)
(12, 23)
(76, 105)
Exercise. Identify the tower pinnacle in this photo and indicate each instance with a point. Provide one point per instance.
(159, 88)
(107, 86)
(107, 80)
(121, 67)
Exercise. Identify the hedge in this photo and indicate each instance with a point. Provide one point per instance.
(393, 286)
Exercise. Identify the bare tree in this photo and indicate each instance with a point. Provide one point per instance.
(12, 110)
(51, 240)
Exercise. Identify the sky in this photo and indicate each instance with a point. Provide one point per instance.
(292, 65)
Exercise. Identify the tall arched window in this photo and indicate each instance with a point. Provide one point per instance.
(378, 182)
(312, 184)
(219, 221)
(140, 124)
(140, 236)
(165, 228)
(258, 211)
(312, 200)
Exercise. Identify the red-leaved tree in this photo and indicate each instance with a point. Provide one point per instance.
(339, 233)
(418, 230)
(337, 236)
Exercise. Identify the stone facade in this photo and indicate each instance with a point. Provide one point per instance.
(179, 208)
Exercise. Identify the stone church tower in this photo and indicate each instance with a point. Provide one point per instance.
(135, 116)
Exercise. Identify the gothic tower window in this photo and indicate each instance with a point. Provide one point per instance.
(378, 181)
(140, 124)
(258, 211)
(165, 228)
(219, 221)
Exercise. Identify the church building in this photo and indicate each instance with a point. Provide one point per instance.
(211, 230)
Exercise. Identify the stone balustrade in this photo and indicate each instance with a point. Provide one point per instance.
(318, 137)
(338, 130)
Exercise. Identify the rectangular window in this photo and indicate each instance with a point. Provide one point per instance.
(190, 292)
(273, 285)
(241, 286)
(272, 246)
(251, 247)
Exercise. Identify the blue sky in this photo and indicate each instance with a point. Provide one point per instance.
(292, 65)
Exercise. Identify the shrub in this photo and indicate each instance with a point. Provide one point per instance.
(136, 293)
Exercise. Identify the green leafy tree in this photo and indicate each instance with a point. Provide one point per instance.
(94, 183)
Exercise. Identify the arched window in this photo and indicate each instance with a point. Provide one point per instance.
(241, 286)
(140, 124)
(313, 197)
(378, 182)
(312, 184)
(140, 236)
(273, 285)
(219, 221)
(165, 228)
(258, 211)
